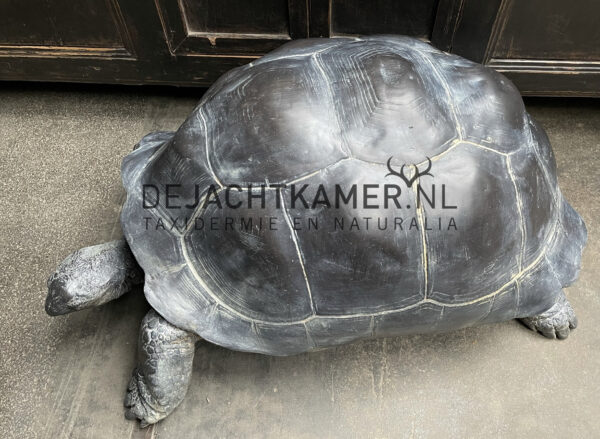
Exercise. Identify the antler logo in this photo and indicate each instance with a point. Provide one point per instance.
(409, 181)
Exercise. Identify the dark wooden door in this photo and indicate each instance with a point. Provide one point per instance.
(545, 46)
(180, 42)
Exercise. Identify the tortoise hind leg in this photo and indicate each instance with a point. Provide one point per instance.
(160, 381)
(92, 276)
(557, 322)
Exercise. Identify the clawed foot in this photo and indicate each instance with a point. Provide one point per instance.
(139, 402)
(557, 322)
(159, 383)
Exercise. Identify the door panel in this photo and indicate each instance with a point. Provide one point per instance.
(357, 17)
(546, 47)
(93, 27)
(549, 30)
(231, 16)
(208, 27)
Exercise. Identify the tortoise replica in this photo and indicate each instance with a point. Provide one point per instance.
(309, 143)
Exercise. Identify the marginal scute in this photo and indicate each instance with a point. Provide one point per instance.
(293, 339)
(538, 290)
(140, 225)
(455, 317)
(564, 253)
(504, 305)
(188, 305)
(420, 319)
(327, 331)
(227, 329)
(145, 149)
(538, 142)
(183, 165)
(538, 210)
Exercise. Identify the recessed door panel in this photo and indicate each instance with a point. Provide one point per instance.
(359, 17)
(219, 27)
(549, 29)
(61, 25)
(233, 16)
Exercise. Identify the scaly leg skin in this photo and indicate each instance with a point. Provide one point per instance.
(160, 381)
(92, 276)
(557, 322)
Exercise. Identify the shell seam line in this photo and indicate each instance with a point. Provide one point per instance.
(135, 178)
(520, 210)
(424, 255)
(316, 58)
(294, 181)
(447, 90)
(283, 57)
(454, 143)
(304, 177)
(518, 293)
(298, 251)
(552, 269)
(151, 159)
(203, 284)
(208, 161)
(545, 172)
(489, 311)
(196, 212)
(309, 339)
(487, 148)
(557, 199)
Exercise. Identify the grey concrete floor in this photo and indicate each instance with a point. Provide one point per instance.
(60, 150)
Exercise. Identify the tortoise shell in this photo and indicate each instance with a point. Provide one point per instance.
(497, 242)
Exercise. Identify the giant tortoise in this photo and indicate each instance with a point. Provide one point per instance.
(331, 191)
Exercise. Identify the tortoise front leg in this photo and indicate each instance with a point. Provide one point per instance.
(160, 381)
(92, 276)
